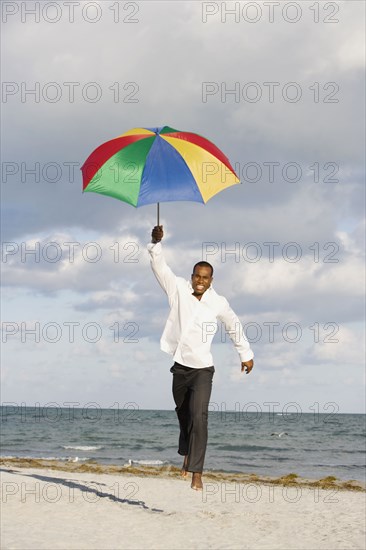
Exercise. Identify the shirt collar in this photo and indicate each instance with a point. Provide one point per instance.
(203, 296)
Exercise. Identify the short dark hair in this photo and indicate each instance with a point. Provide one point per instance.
(203, 264)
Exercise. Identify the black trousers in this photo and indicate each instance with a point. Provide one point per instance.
(191, 392)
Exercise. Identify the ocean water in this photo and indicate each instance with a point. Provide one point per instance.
(310, 445)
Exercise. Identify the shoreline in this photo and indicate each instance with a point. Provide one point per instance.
(168, 471)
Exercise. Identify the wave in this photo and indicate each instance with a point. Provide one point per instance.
(248, 448)
(346, 466)
(83, 447)
(58, 458)
(147, 462)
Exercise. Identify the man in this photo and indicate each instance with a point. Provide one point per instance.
(195, 308)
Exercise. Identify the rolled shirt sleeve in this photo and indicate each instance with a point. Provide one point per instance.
(235, 330)
(165, 276)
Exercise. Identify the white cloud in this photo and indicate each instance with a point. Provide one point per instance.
(348, 348)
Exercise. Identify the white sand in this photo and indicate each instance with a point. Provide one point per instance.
(47, 509)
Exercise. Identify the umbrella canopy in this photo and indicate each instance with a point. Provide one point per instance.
(152, 165)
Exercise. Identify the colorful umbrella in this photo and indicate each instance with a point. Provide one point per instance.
(152, 165)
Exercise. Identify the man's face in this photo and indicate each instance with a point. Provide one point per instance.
(201, 280)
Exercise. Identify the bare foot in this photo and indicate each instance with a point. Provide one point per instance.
(197, 481)
(184, 472)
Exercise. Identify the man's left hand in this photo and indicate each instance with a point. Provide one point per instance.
(247, 366)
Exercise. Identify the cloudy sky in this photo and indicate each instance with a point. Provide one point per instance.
(280, 88)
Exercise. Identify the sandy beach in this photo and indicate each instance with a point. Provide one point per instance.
(46, 507)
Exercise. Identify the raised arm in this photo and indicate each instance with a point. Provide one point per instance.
(162, 271)
(235, 330)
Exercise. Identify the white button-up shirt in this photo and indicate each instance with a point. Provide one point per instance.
(192, 323)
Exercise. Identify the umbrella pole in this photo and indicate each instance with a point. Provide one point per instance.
(158, 213)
